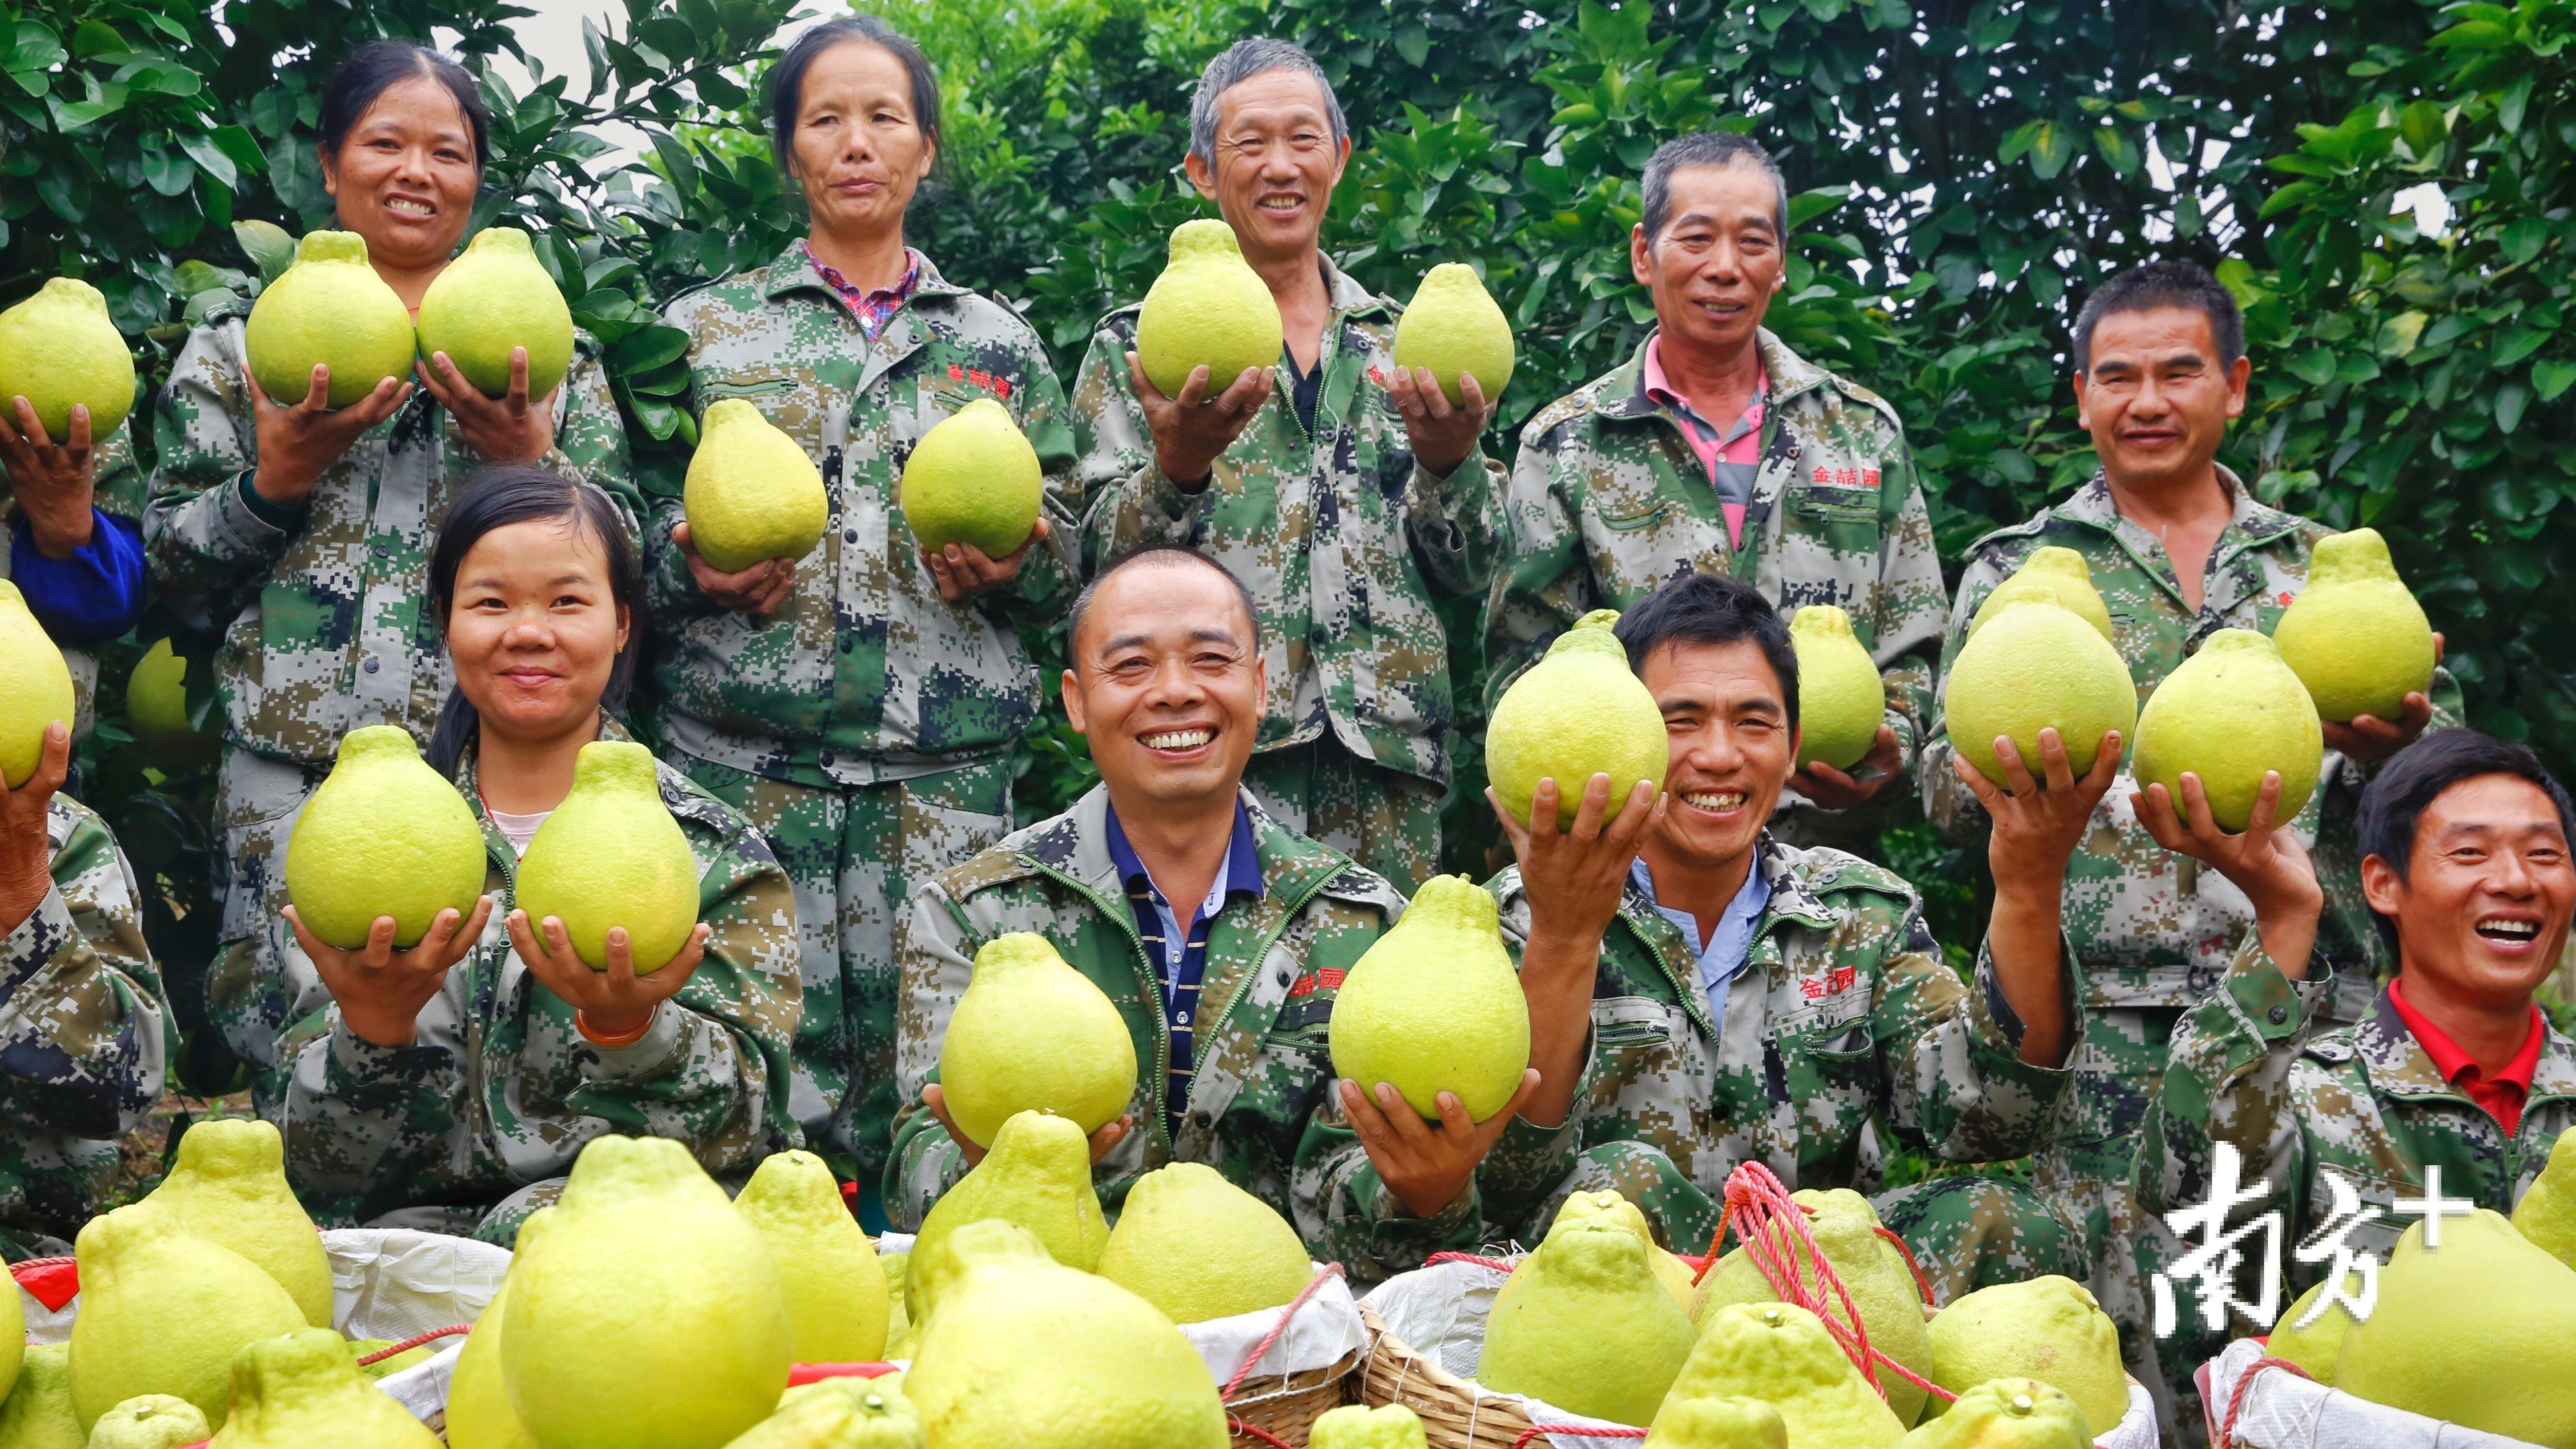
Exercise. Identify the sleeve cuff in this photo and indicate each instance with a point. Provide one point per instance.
(355, 1058)
(253, 517)
(657, 1048)
(2277, 1007)
(1471, 466)
(1166, 497)
(93, 595)
(2008, 1023)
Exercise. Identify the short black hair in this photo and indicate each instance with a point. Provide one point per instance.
(377, 67)
(1707, 148)
(2169, 283)
(787, 77)
(2420, 773)
(1714, 610)
(1149, 555)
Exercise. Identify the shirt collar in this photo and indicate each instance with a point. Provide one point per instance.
(1734, 925)
(1658, 389)
(1242, 870)
(2453, 1063)
(910, 282)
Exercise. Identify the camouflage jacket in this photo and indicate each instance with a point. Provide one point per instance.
(864, 673)
(498, 1089)
(83, 1036)
(118, 491)
(1345, 542)
(2155, 929)
(1844, 1012)
(2364, 1102)
(1262, 1109)
(325, 616)
(1608, 503)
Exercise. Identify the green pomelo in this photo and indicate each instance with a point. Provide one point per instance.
(1722, 1422)
(35, 688)
(156, 708)
(39, 1412)
(1208, 309)
(2479, 1332)
(303, 1389)
(1881, 1286)
(1608, 1206)
(649, 1314)
(844, 1413)
(2058, 575)
(1575, 714)
(1032, 1034)
(13, 1342)
(1452, 326)
(1025, 1353)
(163, 1311)
(59, 350)
(2232, 712)
(2547, 1213)
(383, 836)
(1841, 701)
(492, 299)
(1782, 1355)
(836, 1293)
(147, 1421)
(372, 1368)
(2008, 1413)
(2355, 636)
(751, 493)
(1583, 1325)
(973, 479)
(2315, 1346)
(479, 1412)
(2047, 1328)
(1038, 1175)
(229, 1187)
(1357, 1426)
(611, 855)
(2036, 665)
(329, 308)
(1198, 1247)
(1434, 1006)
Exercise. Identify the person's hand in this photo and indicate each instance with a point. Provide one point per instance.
(1190, 431)
(1833, 789)
(53, 482)
(759, 589)
(1442, 433)
(510, 428)
(298, 444)
(614, 1002)
(2267, 862)
(1426, 1167)
(1574, 877)
(26, 842)
(2368, 740)
(380, 990)
(962, 570)
(2038, 821)
(1109, 1136)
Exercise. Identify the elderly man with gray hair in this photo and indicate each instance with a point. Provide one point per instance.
(1349, 496)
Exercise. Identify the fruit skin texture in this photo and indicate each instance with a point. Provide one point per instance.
(229, 1187)
(332, 308)
(1882, 1287)
(649, 1314)
(1038, 1175)
(2547, 1213)
(1841, 701)
(58, 350)
(1782, 1354)
(303, 1389)
(2008, 1413)
(2314, 1347)
(751, 493)
(148, 1421)
(156, 706)
(13, 1343)
(1576, 713)
(2230, 713)
(163, 1311)
(1452, 326)
(1208, 308)
(2355, 636)
(1434, 1006)
(973, 479)
(1583, 1325)
(35, 687)
(836, 1293)
(1357, 1426)
(2036, 665)
(1026, 1353)
(1032, 1034)
(491, 299)
(611, 855)
(383, 836)
(1197, 1247)
(39, 1413)
(1677, 1276)
(1724, 1422)
(2058, 575)
(479, 1412)
(838, 1414)
(2046, 1328)
(2480, 1332)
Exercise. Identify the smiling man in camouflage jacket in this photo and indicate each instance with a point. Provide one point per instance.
(1351, 503)
(1220, 935)
(1715, 449)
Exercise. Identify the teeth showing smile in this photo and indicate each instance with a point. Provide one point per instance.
(408, 207)
(1189, 739)
(2509, 930)
(1721, 800)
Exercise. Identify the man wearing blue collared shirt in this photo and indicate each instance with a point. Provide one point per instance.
(1179, 948)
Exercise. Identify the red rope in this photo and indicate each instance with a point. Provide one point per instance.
(1240, 1429)
(1499, 1265)
(1922, 1284)
(1331, 1272)
(1577, 1431)
(2236, 1400)
(415, 1341)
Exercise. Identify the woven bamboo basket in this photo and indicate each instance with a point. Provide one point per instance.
(1455, 1414)
(1287, 1406)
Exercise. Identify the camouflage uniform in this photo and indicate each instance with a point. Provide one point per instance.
(1261, 1106)
(2155, 931)
(117, 490)
(498, 1090)
(324, 614)
(865, 726)
(1608, 503)
(1347, 545)
(1844, 1014)
(84, 1040)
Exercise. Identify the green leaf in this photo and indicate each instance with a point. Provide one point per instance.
(2425, 126)
(1413, 42)
(2297, 193)
(2118, 148)
(2511, 105)
(243, 147)
(167, 173)
(2514, 344)
(2316, 367)
(95, 37)
(2474, 35)
(201, 148)
(2551, 378)
(267, 245)
(2051, 147)
(2398, 335)
(648, 349)
(1806, 206)
(2510, 400)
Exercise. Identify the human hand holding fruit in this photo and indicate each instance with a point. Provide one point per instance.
(616, 1001)
(1192, 431)
(1426, 1166)
(510, 428)
(2266, 862)
(2038, 823)
(2367, 740)
(1833, 789)
(1442, 433)
(1102, 1141)
(757, 589)
(26, 844)
(297, 444)
(962, 570)
(53, 482)
(381, 989)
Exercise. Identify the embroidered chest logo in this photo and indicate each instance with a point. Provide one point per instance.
(1328, 979)
(997, 385)
(1841, 978)
(1846, 477)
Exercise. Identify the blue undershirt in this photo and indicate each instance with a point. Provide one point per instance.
(1177, 949)
(1721, 956)
(94, 595)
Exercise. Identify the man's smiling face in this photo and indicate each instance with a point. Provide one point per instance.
(1717, 261)
(1167, 682)
(1727, 720)
(2483, 911)
(2155, 395)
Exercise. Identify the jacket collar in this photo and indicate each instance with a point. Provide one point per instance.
(791, 273)
(1075, 845)
(2398, 1064)
(1622, 392)
(2250, 527)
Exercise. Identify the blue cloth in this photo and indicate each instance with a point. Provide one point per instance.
(1178, 949)
(1721, 956)
(94, 595)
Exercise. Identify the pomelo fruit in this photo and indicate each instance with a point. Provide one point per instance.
(1452, 326)
(2228, 714)
(1576, 713)
(1032, 1034)
(35, 688)
(751, 492)
(1434, 1006)
(611, 855)
(156, 708)
(329, 308)
(2037, 665)
(1198, 1247)
(2355, 637)
(1583, 1325)
(973, 479)
(2059, 575)
(383, 836)
(1207, 309)
(1841, 701)
(494, 298)
(58, 350)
